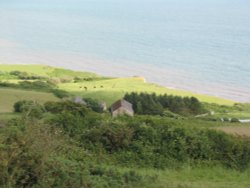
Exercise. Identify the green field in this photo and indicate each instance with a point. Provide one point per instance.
(9, 96)
(203, 177)
(240, 130)
(109, 90)
(103, 89)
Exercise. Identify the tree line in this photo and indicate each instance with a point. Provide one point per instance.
(152, 104)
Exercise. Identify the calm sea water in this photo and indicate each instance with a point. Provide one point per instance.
(201, 46)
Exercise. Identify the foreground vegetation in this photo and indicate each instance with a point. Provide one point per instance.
(63, 144)
(173, 141)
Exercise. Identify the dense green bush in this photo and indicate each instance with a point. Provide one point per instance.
(39, 85)
(93, 104)
(77, 147)
(60, 93)
(40, 156)
(29, 108)
(19, 105)
(6, 84)
(234, 120)
(66, 106)
(144, 141)
(112, 137)
(73, 118)
(33, 85)
(25, 76)
(150, 143)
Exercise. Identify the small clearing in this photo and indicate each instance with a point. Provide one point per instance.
(241, 130)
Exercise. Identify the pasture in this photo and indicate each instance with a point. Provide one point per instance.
(100, 88)
(199, 177)
(239, 130)
(9, 96)
(112, 89)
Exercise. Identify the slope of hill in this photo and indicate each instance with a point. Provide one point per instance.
(101, 88)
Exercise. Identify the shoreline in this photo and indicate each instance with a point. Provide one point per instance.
(170, 78)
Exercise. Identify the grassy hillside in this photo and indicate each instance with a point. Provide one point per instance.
(110, 90)
(43, 71)
(103, 89)
(9, 96)
(34, 69)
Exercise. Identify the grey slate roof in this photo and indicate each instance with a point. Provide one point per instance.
(122, 103)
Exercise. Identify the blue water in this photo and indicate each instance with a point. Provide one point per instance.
(202, 46)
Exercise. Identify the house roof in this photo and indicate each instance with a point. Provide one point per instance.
(122, 103)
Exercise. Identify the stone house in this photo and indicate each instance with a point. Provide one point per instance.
(122, 107)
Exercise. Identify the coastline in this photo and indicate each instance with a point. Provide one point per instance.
(96, 70)
(194, 52)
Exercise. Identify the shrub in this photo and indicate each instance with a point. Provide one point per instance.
(30, 108)
(39, 85)
(235, 120)
(18, 106)
(94, 105)
(54, 81)
(66, 106)
(60, 93)
(25, 75)
(112, 137)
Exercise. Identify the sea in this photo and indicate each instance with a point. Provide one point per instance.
(201, 46)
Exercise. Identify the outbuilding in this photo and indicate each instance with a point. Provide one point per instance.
(122, 107)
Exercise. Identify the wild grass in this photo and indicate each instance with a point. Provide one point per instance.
(8, 116)
(192, 177)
